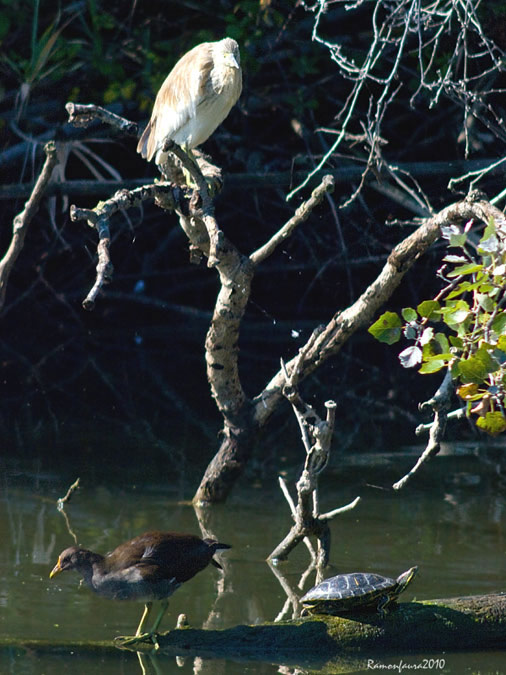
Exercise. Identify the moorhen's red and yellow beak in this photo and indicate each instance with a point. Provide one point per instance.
(56, 569)
(147, 568)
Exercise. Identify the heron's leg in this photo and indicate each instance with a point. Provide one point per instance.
(187, 176)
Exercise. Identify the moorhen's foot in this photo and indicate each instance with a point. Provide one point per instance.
(129, 640)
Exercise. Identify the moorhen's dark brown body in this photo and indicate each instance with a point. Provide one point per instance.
(149, 567)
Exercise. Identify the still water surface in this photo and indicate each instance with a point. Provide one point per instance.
(454, 533)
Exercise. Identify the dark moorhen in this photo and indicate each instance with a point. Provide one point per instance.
(149, 567)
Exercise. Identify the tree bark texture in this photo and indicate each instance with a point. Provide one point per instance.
(230, 459)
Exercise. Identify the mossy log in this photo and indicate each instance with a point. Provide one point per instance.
(474, 622)
(466, 623)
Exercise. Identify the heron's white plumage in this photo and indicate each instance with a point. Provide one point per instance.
(195, 98)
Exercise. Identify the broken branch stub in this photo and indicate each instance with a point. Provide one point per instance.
(316, 436)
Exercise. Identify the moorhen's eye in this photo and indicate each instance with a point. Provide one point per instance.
(147, 568)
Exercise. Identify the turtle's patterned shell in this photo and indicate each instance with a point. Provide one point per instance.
(347, 592)
(350, 586)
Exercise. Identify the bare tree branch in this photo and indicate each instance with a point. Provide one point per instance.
(82, 114)
(440, 404)
(301, 214)
(456, 60)
(343, 175)
(360, 314)
(316, 437)
(207, 210)
(99, 218)
(23, 219)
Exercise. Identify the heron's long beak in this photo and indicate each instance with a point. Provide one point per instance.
(56, 569)
(230, 60)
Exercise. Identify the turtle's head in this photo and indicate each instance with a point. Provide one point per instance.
(404, 579)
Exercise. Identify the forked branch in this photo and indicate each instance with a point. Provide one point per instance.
(316, 436)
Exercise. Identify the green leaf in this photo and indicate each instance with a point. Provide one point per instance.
(477, 367)
(499, 324)
(486, 287)
(454, 369)
(429, 309)
(387, 328)
(456, 342)
(486, 302)
(501, 343)
(409, 314)
(432, 366)
(462, 329)
(470, 268)
(461, 288)
(458, 240)
(493, 423)
(411, 331)
(456, 316)
(443, 342)
(469, 392)
(432, 350)
(490, 230)
(455, 313)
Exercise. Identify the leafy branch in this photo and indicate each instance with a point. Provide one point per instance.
(463, 328)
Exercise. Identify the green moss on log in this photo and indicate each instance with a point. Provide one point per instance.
(475, 622)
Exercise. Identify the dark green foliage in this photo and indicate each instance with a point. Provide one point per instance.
(470, 314)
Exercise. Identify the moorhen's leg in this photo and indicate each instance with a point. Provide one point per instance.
(139, 634)
(163, 609)
(147, 611)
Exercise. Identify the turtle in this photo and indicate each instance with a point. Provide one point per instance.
(355, 592)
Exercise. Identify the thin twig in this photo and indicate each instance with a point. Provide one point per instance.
(287, 495)
(301, 214)
(342, 509)
(440, 403)
(23, 219)
(60, 505)
(82, 115)
(64, 500)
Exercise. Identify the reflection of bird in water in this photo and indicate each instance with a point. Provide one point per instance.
(195, 98)
(149, 567)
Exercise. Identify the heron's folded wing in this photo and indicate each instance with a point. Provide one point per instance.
(178, 99)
